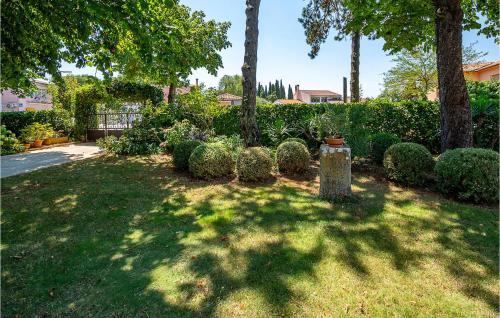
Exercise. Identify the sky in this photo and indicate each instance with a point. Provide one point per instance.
(282, 51)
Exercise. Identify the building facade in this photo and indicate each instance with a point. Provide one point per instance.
(316, 96)
(39, 100)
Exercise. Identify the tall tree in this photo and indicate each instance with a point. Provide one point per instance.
(414, 73)
(249, 126)
(318, 18)
(231, 84)
(405, 24)
(290, 92)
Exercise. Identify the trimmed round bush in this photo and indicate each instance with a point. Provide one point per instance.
(379, 143)
(211, 160)
(254, 164)
(182, 152)
(469, 174)
(302, 141)
(292, 156)
(408, 163)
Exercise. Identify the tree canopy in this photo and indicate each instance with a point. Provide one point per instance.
(150, 38)
(231, 84)
(414, 74)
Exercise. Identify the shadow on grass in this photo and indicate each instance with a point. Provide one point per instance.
(127, 237)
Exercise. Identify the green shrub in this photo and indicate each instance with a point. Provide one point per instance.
(470, 174)
(408, 163)
(133, 92)
(60, 120)
(179, 132)
(302, 141)
(109, 144)
(485, 105)
(36, 131)
(210, 160)
(379, 143)
(292, 157)
(86, 101)
(233, 143)
(254, 164)
(182, 152)
(9, 144)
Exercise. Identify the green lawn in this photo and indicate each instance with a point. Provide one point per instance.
(129, 237)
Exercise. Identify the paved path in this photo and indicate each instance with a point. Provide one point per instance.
(38, 159)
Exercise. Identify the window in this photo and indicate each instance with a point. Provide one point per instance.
(495, 77)
(315, 99)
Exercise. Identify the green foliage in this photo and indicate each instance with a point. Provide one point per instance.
(254, 164)
(149, 40)
(87, 99)
(211, 160)
(408, 163)
(485, 105)
(109, 144)
(135, 92)
(302, 141)
(292, 157)
(36, 131)
(182, 152)
(135, 141)
(379, 143)
(231, 84)
(60, 120)
(9, 144)
(180, 132)
(233, 143)
(414, 73)
(199, 107)
(470, 174)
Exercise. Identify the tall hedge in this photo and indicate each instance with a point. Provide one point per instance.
(87, 99)
(58, 119)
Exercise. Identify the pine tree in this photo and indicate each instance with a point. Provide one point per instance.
(290, 92)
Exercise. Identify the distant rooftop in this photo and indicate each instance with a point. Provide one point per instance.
(229, 97)
(319, 92)
(479, 66)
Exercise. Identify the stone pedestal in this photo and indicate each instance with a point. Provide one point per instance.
(334, 172)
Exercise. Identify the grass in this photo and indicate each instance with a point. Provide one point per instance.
(125, 237)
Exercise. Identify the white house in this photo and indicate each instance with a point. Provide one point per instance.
(39, 100)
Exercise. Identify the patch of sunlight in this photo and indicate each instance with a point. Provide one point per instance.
(218, 218)
(4, 246)
(167, 280)
(129, 261)
(138, 237)
(66, 202)
(71, 305)
(117, 256)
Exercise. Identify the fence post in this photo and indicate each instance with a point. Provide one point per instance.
(128, 119)
(105, 124)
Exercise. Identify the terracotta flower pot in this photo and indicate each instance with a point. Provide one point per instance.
(27, 146)
(38, 143)
(334, 142)
(55, 140)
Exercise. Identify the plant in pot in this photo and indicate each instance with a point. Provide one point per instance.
(36, 133)
(330, 127)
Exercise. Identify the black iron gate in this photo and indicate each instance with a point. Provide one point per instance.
(111, 124)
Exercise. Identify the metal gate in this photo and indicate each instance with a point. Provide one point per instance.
(111, 124)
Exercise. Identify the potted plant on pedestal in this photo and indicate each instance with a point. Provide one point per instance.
(330, 127)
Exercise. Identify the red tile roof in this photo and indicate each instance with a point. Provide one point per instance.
(479, 66)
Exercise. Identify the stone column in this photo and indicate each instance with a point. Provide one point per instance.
(334, 172)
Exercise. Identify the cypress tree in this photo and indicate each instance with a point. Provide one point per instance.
(277, 88)
(290, 92)
(265, 92)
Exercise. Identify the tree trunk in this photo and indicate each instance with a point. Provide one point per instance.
(456, 120)
(248, 119)
(355, 41)
(171, 93)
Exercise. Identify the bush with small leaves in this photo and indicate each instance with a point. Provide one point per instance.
(254, 164)
(469, 174)
(292, 157)
(211, 160)
(302, 141)
(408, 163)
(182, 152)
(379, 143)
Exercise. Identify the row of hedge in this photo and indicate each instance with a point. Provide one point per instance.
(411, 121)
(60, 120)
